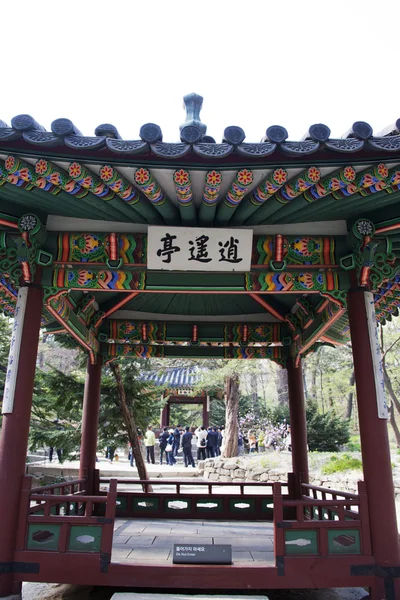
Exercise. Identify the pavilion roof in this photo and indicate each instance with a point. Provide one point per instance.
(180, 377)
(321, 209)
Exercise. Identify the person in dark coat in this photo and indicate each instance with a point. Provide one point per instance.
(177, 440)
(163, 439)
(168, 450)
(187, 447)
(212, 442)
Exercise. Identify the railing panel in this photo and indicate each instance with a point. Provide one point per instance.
(51, 525)
(328, 523)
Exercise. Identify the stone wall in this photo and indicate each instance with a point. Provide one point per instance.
(245, 469)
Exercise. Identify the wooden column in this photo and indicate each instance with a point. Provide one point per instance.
(298, 423)
(206, 408)
(90, 422)
(374, 439)
(165, 415)
(14, 434)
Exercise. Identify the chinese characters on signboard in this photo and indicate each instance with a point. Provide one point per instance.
(15, 347)
(376, 355)
(195, 249)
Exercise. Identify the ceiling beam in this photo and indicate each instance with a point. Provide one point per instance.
(267, 307)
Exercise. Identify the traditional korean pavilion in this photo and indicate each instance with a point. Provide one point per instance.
(178, 387)
(200, 248)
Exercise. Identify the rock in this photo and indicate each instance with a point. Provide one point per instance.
(264, 477)
(230, 466)
(213, 477)
(225, 478)
(258, 471)
(240, 473)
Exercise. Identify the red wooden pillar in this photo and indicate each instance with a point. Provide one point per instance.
(90, 422)
(14, 435)
(165, 415)
(206, 408)
(298, 423)
(374, 439)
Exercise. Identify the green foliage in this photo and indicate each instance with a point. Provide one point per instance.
(344, 462)
(326, 432)
(354, 444)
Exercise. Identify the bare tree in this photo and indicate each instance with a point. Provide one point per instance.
(129, 420)
(231, 415)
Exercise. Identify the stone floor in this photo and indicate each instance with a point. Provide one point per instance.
(144, 541)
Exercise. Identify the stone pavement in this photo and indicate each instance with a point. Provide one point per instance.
(143, 540)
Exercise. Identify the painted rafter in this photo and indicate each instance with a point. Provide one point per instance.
(64, 312)
(158, 198)
(267, 307)
(319, 327)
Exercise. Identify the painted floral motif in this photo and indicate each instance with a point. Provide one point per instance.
(142, 176)
(383, 170)
(181, 177)
(106, 172)
(28, 222)
(87, 182)
(117, 186)
(280, 176)
(395, 180)
(41, 166)
(349, 173)
(245, 177)
(213, 178)
(301, 185)
(75, 170)
(314, 174)
(25, 174)
(10, 163)
(364, 227)
(55, 178)
(86, 243)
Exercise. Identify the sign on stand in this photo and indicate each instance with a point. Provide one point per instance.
(376, 355)
(202, 554)
(15, 348)
(196, 249)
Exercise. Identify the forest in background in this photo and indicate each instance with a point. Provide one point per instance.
(262, 392)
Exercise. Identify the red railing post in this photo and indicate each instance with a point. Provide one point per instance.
(23, 512)
(108, 527)
(279, 534)
(363, 509)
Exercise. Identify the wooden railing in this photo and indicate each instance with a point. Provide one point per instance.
(236, 501)
(327, 522)
(66, 523)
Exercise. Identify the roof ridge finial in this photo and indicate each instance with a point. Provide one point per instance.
(193, 103)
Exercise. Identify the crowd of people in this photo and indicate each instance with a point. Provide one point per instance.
(209, 443)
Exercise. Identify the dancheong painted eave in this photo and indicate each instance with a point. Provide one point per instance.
(324, 212)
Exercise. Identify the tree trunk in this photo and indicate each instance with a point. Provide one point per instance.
(282, 386)
(231, 416)
(314, 384)
(350, 397)
(130, 424)
(389, 387)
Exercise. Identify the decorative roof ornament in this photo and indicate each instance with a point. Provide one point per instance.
(193, 104)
